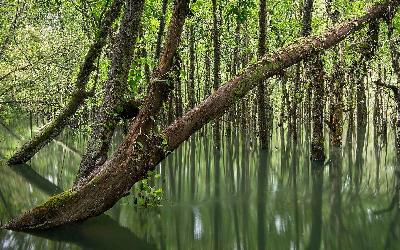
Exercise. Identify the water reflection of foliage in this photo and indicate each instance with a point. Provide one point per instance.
(239, 198)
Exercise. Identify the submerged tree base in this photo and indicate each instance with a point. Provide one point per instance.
(143, 148)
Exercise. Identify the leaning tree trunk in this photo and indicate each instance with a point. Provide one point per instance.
(54, 128)
(143, 149)
(115, 89)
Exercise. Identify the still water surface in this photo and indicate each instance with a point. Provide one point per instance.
(240, 198)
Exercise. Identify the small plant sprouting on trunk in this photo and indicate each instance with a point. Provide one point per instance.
(147, 194)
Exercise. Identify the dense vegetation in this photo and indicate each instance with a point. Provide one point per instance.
(157, 68)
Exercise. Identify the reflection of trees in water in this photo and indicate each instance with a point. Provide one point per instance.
(335, 199)
(217, 206)
(101, 232)
(262, 188)
(316, 206)
(358, 171)
(242, 213)
(294, 169)
(393, 212)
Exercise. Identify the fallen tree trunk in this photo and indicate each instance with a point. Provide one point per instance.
(143, 149)
(54, 128)
(159, 90)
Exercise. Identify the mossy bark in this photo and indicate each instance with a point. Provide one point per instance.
(317, 142)
(161, 28)
(142, 149)
(261, 95)
(54, 128)
(337, 82)
(216, 70)
(176, 78)
(336, 104)
(115, 89)
(191, 83)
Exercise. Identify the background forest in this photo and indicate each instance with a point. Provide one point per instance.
(44, 42)
(234, 110)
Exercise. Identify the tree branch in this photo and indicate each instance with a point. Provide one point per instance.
(143, 149)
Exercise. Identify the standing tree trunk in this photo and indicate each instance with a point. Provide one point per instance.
(142, 149)
(361, 99)
(316, 67)
(191, 87)
(216, 69)
(176, 76)
(115, 88)
(235, 68)
(337, 83)
(54, 128)
(305, 32)
(317, 143)
(161, 29)
(336, 103)
(262, 119)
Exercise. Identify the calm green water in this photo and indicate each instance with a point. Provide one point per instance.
(237, 199)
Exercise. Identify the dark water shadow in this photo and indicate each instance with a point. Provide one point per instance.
(316, 206)
(101, 232)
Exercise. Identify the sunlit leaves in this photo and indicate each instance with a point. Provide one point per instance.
(240, 10)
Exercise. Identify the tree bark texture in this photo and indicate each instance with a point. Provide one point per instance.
(143, 149)
(191, 85)
(262, 119)
(54, 128)
(115, 88)
(317, 142)
(161, 28)
(216, 69)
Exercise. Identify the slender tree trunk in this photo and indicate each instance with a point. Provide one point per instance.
(216, 69)
(337, 82)
(142, 149)
(191, 87)
(235, 68)
(207, 79)
(262, 122)
(161, 29)
(317, 143)
(54, 128)
(362, 116)
(284, 101)
(295, 102)
(176, 72)
(350, 107)
(336, 104)
(305, 32)
(316, 67)
(115, 88)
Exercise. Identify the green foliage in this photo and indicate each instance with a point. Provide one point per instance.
(240, 10)
(51, 38)
(146, 194)
(134, 77)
